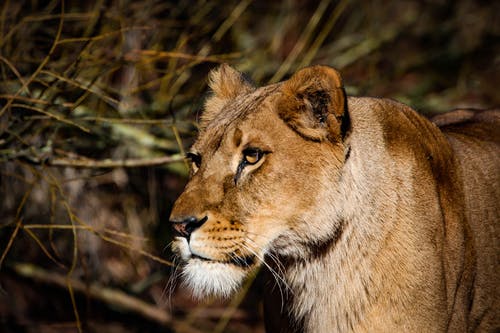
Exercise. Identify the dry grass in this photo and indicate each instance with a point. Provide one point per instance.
(99, 99)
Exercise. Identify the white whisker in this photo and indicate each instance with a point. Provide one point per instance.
(169, 288)
(279, 276)
(166, 247)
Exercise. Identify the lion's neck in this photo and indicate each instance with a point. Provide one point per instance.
(338, 288)
(333, 290)
(386, 270)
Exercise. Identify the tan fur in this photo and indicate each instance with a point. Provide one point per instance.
(366, 216)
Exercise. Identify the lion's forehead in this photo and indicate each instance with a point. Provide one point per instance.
(233, 113)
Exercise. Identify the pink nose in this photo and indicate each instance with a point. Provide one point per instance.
(186, 226)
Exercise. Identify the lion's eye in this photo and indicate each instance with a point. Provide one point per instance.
(195, 160)
(252, 155)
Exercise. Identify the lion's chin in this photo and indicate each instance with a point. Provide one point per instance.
(213, 279)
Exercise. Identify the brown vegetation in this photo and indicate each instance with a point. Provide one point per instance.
(99, 99)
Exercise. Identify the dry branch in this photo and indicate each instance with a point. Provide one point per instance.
(109, 296)
(106, 163)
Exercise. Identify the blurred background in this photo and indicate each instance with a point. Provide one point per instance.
(99, 99)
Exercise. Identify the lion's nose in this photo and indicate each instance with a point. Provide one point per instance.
(186, 226)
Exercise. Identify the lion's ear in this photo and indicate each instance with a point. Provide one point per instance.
(314, 103)
(226, 84)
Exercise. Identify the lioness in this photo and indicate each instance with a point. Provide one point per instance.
(370, 217)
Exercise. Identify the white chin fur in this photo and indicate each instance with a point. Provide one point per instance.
(206, 279)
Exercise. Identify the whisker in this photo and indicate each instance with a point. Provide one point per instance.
(279, 269)
(272, 257)
(171, 284)
(167, 246)
(279, 279)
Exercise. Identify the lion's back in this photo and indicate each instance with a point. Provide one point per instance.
(475, 139)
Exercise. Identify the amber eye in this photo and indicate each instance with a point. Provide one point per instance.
(195, 160)
(252, 155)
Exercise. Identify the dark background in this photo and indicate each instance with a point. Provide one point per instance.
(99, 99)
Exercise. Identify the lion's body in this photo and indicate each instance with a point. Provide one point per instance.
(406, 185)
(474, 138)
(369, 217)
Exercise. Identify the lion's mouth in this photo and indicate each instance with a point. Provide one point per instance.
(247, 261)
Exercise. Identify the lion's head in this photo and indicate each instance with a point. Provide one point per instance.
(256, 183)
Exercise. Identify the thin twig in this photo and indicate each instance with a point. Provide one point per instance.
(94, 90)
(233, 17)
(84, 227)
(106, 163)
(11, 241)
(50, 114)
(112, 297)
(42, 64)
(137, 54)
(16, 72)
(301, 43)
(44, 249)
(328, 26)
(229, 312)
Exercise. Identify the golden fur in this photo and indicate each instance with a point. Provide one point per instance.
(367, 216)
